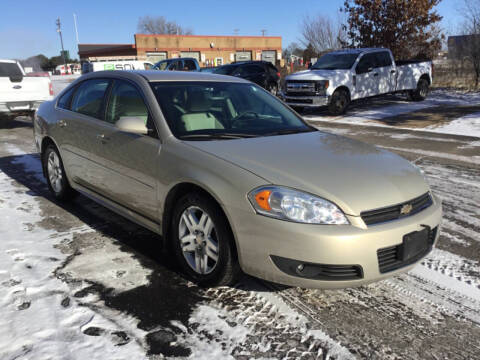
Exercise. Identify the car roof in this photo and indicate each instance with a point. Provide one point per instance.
(159, 75)
(357, 50)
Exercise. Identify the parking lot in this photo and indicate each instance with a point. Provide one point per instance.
(83, 276)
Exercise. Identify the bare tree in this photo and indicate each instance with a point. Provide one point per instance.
(469, 46)
(321, 32)
(160, 25)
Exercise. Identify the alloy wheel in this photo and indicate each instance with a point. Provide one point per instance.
(55, 173)
(198, 240)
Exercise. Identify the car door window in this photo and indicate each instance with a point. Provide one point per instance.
(88, 99)
(368, 61)
(126, 101)
(176, 65)
(65, 99)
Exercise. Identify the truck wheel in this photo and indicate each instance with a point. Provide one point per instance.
(421, 92)
(55, 173)
(339, 102)
(203, 242)
(273, 89)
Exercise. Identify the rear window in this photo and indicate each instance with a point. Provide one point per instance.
(64, 101)
(10, 69)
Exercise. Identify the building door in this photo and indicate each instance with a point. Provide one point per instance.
(190, 54)
(243, 56)
(269, 55)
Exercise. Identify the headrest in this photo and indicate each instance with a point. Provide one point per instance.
(198, 102)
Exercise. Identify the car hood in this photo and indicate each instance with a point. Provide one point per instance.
(315, 75)
(354, 175)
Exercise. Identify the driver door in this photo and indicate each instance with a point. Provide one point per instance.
(366, 77)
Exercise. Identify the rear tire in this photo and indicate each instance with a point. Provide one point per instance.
(273, 89)
(421, 92)
(55, 174)
(203, 241)
(339, 102)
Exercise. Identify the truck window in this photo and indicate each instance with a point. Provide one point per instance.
(383, 59)
(10, 69)
(189, 65)
(368, 61)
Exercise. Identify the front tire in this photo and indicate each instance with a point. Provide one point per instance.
(203, 242)
(339, 102)
(55, 173)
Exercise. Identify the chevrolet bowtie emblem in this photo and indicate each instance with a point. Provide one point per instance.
(405, 210)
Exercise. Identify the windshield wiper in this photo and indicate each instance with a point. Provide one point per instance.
(289, 131)
(225, 136)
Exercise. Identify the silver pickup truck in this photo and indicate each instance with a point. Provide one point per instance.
(339, 77)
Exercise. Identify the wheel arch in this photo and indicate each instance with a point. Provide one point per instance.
(46, 141)
(427, 78)
(175, 193)
(344, 87)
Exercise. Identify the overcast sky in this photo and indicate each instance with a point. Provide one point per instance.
(28, 27)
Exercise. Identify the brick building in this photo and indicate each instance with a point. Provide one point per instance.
(208, 50)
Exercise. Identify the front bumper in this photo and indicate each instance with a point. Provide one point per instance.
(305, 101)
(261, 240)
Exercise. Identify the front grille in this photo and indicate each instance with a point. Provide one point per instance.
(390, 258)
(300, 87)
(394, 212)
(318, 271)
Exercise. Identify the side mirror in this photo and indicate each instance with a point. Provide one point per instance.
(309, 66)
(370, 69)
(132, 124)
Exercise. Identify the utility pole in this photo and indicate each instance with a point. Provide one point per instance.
(59, 30)
(235, 32)
(263, 32)
(76, 29)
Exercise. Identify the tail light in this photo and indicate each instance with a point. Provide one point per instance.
(433, 67)
(50, 88)
(278, 74)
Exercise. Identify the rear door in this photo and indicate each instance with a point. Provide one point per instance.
(386, 72)
(79, 128)
(366, 83)
(129, 160)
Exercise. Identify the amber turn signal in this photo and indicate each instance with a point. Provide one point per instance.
(262, 199)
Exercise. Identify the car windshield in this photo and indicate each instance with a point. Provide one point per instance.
(336, 61)
(225, 70)
(224, 110)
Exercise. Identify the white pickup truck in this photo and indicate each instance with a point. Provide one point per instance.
(21, 94)
(339, 77)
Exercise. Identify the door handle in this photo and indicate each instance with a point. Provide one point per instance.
(62, 123)
(102, 138)
(393, 71)
(375, 74)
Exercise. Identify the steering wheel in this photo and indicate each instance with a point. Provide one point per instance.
(242, 116)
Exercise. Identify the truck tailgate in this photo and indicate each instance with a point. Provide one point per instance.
(27, 90)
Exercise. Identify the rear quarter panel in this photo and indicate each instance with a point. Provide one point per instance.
(408, 75)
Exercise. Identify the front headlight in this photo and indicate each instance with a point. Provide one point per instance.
(322, 86)
(293, 205)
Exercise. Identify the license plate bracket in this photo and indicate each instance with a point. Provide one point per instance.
(415, 243)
